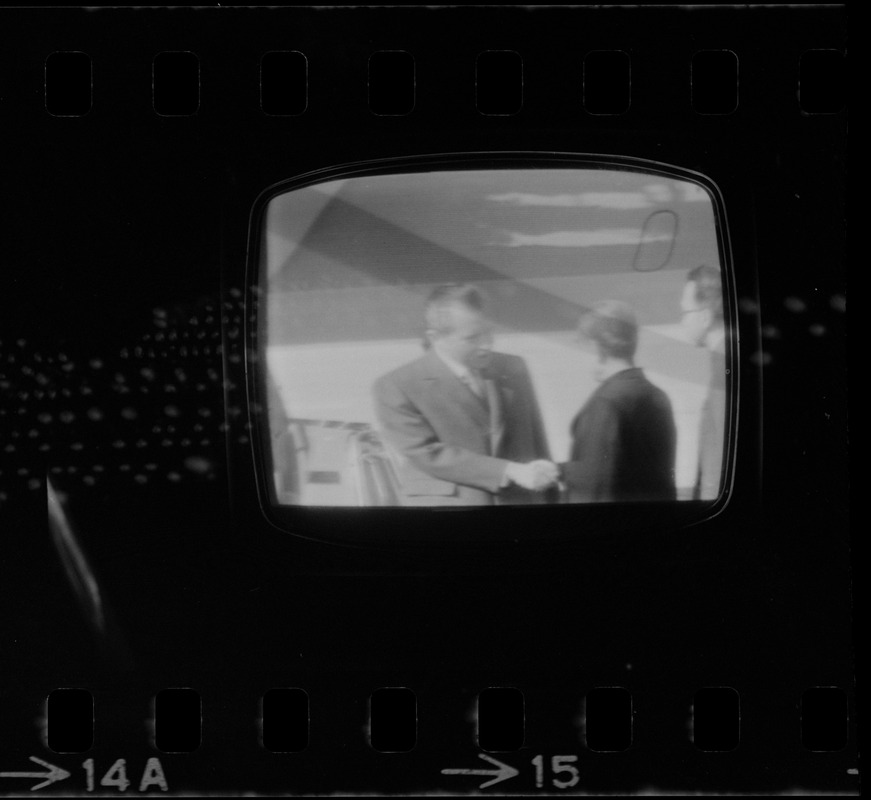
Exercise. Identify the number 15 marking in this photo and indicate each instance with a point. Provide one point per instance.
(559, 765)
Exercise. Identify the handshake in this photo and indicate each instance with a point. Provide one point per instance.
(536, 475)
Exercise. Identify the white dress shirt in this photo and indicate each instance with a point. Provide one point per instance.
(476, 386)
(474, 381)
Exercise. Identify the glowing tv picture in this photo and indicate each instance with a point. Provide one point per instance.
(495, 336)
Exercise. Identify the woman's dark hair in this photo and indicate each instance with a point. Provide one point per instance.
(612, 325)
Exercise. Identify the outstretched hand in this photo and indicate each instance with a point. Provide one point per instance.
(535, 476)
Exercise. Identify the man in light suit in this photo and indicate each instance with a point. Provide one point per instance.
(463, 421)
(701, 308)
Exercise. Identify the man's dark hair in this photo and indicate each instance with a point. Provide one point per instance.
(612, 325)
(445, 297)
(708, 288)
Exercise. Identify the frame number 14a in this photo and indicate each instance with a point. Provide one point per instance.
(116, 776)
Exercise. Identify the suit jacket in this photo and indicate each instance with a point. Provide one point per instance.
(451, 446)
(712, 431)
(623, 443)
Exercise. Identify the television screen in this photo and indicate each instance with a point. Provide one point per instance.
(471, 336)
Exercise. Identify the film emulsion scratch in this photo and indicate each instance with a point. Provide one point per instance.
(425, 401)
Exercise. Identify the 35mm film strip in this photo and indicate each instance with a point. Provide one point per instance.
(425, 401)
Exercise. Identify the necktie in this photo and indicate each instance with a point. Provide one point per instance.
(474, 383)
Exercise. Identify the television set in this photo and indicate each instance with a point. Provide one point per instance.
(601, 349)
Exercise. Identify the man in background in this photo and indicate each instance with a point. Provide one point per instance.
(701, 308)
(624, 438)
(462, 420)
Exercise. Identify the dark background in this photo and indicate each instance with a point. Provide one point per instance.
(121, 353)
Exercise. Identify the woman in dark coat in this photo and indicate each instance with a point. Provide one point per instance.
(624, 438)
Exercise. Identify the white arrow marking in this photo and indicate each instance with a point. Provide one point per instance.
(54, 774)
(503, 773)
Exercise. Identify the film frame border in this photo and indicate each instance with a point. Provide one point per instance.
(509, 137)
